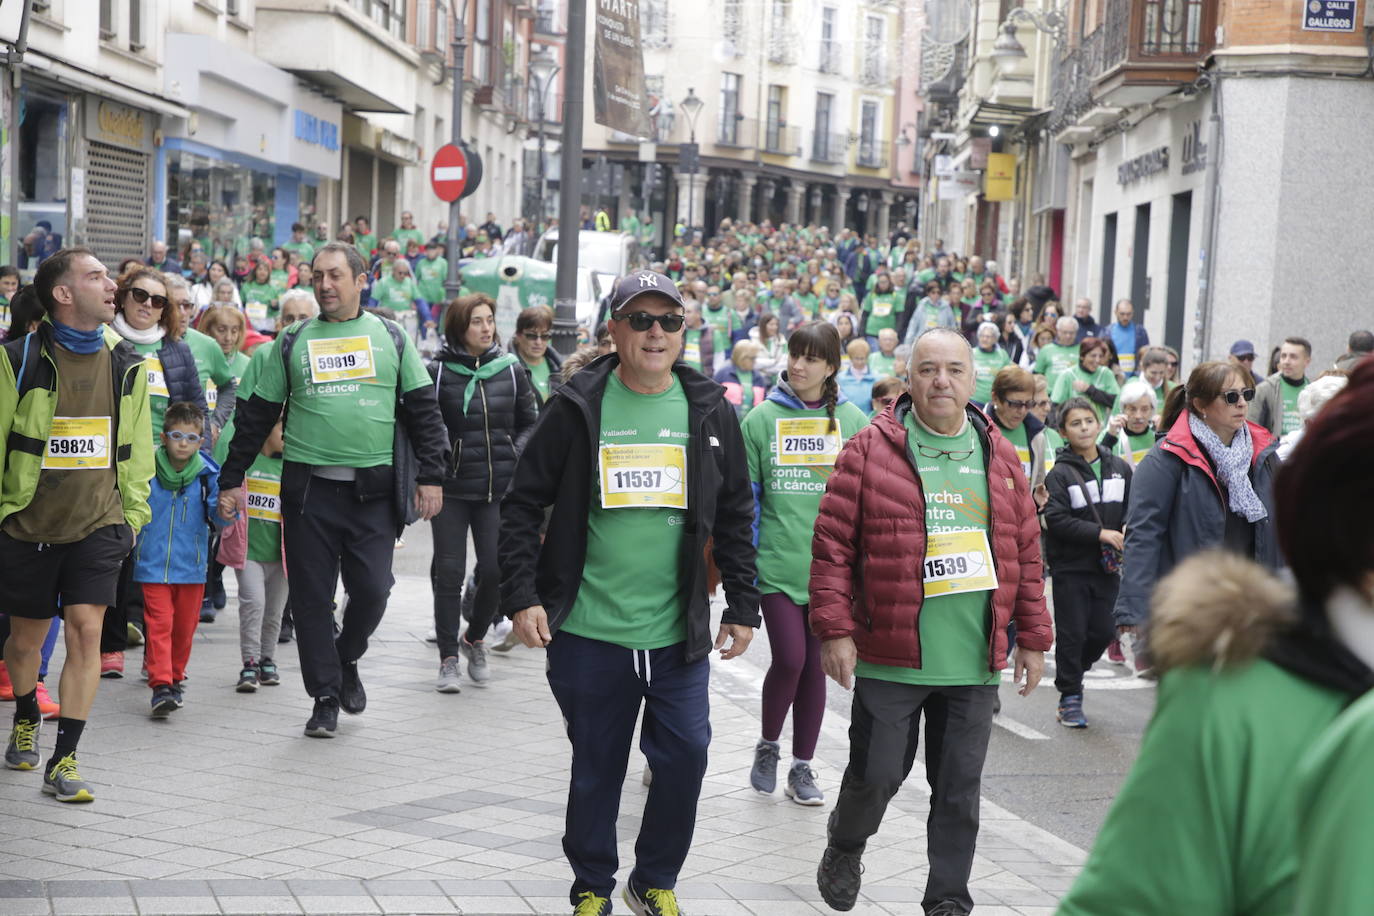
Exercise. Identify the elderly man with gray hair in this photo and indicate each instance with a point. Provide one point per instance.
(927, 546)
(1055, 359)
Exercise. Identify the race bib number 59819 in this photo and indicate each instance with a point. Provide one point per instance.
(340, 359)
(643, 476)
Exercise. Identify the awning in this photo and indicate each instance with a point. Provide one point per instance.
(101, 85)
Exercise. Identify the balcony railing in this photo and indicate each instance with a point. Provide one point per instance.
(1072, 79)
(546, 22)
(782, 140)
(830, 57)
(828, 146)
(782, 48)
(872, 155)
(737, 132)
(874, 71)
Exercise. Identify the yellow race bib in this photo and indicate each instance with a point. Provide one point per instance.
(264, 499)
(958, 562)
(211, 394)
(341, 359)
(78, 444)
(256, 312)
(643, 476)
(806, 442)
(157, 382)
(882, 308)
(691, 353)
(1025, 456)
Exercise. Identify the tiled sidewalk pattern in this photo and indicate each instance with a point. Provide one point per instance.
(429, 804)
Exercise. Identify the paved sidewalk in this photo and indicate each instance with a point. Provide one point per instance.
(429, 803)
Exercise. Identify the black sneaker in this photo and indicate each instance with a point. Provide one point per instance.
(651, 901)
(947, 908)
(838, 877)
(179, 691)
(248, 678)
(324, 720)
(164, 701)
(207, 611)
(267, 673)
(352, 696)
(218, 597)
(284, 637)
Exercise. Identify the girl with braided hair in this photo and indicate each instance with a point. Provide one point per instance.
(792, 440)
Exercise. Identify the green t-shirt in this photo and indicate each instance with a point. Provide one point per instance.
(264, 293)
(1018, 440)
(1292, 420)
(399, 296)
(1102, 379)
(539, 374)
(882, 366)
(343, 391)
(211, 365)
(280, 280)
(791, 456)
(304, 249)
(248, 378)
(1053, 360)
(882, 310)
(430, 275)
(691, 349)
(263, 485)
(403, 236)
(722, 322)
(365, 244)
(1053, 443)
(953, 627)
(746, 385)
(632, 592)
(985, 368)
(1134, 447)
(807, 303)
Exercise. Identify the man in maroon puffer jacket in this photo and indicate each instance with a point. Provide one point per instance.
(927, 545)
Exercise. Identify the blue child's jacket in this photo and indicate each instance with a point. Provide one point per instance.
(173, 549)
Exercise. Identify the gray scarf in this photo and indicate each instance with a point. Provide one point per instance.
(1233, 467)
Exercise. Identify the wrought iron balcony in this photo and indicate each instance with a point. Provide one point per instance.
(737, 132)
(872, 155)
(780, 139)
(828, 146)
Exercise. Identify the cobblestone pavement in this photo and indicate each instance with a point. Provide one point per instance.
(430, 803)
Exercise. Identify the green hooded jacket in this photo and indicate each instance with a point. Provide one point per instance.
(26, 419)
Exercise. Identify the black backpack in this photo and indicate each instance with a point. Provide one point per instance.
(404, 464)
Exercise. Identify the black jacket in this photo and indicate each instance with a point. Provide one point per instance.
(181, 375)
(487, 440)
(556, 469)
(1071, 529)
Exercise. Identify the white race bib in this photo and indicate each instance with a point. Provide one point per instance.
(882, 307)
(643, 476)
(340, 359)
(264, 499)
(958, 562)
(256, 312)
(78, 444)
(157, 382)
(806, 442)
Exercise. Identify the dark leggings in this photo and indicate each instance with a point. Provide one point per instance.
(795, 680)
(449, 569)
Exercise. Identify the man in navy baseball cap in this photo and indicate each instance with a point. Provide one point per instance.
(641, 283)
(1243, 350)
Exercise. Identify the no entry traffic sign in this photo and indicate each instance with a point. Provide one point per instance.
(448, 174)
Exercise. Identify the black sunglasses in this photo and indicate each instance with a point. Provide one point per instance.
(1018, 405)
(1233, 396)
(532, 335)
(142, 295)
(642, 321)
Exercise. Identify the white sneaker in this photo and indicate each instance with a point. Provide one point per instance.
(448, 676)
(476, 654)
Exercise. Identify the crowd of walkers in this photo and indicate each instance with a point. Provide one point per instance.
(882, 455)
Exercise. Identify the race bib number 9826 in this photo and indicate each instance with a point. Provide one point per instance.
(643, 476)
(341, 359)
(264, 499)
(807, 441)
(78, 444)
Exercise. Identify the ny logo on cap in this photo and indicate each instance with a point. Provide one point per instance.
(648, 279)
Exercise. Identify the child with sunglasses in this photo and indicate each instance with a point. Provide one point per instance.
(170, 553)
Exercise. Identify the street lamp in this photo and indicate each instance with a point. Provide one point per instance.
(543, 68)
(691, 107)
(1009, 49)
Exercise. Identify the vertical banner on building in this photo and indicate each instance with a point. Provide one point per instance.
(618, 93)
(999, 181)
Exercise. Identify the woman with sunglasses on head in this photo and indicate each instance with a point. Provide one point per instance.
(533, 332)
(489, 408)
(792, 440)
(1207, 484)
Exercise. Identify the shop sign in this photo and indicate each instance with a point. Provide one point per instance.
(1328, 15)
(118, 125)
(1194, 150)
(999, 182)
(959, 185)
(1143, 166)
(317, 131)
(979, 148)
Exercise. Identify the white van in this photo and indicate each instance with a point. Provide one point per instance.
(615, 253)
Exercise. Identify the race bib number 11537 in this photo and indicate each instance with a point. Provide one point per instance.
(643, 476)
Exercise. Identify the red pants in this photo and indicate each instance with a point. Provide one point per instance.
(170, 615)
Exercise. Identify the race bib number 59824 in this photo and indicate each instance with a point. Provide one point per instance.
(341, 359)
(643, 476)
(78, 444)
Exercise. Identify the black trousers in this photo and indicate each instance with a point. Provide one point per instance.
(448, 571)
(114, 631)
(1083, 625)
(884, 732)
(328, 532)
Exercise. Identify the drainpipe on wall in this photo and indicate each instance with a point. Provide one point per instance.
(1202, 337)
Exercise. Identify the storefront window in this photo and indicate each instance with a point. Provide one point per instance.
(219, 204)
(43, 177)
(309, 197)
